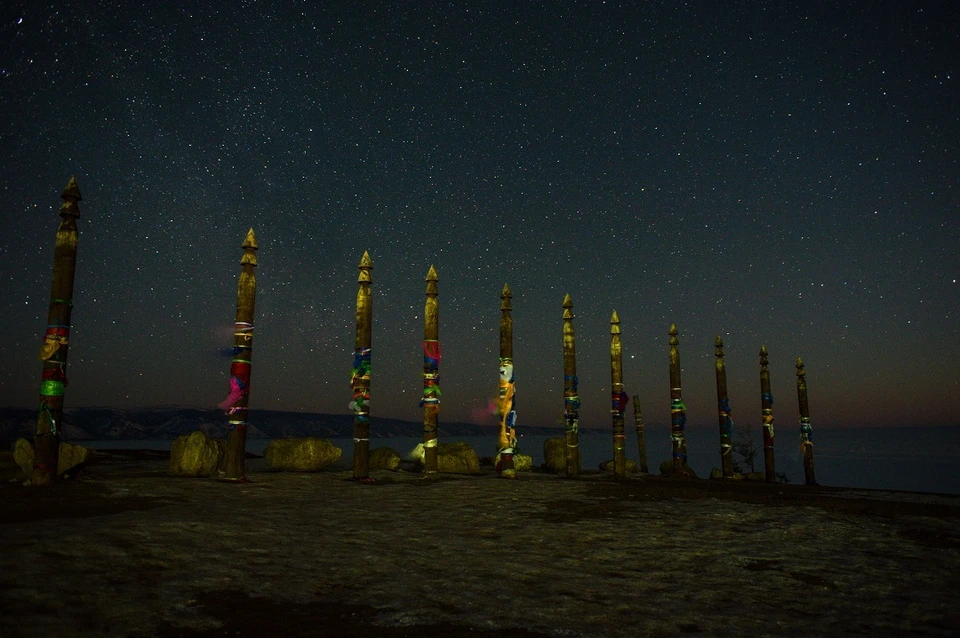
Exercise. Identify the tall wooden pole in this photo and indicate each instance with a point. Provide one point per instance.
(571, 398)
(431, 374)
(766, 399)
(641, 437)
(236, 404)
(361, 373)
(678, 411)
(618, 398)
(507, 404)
(806, 430)
(723, 407)
(56, 342)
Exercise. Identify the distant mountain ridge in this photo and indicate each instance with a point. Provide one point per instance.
(169, 422)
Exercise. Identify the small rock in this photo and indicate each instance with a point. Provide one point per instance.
(755, 476)
(416, 454)
(607, 466)
(555, 455)
(310, 454)
(384, 458)
(70, 456)
(196, 455)
(716, 473)
(666, 469)
(457, 458)
(522, 462)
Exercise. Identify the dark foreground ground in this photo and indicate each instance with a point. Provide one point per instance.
(125, 550)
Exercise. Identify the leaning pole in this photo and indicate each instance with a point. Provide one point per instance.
(723, 408)
(506, 407)
(678, 411)
(360, 380)
(571, 398)
(618, 398)
(806, 430)
(236, 404)
(766, 400)
(56, 341)
(431, 374)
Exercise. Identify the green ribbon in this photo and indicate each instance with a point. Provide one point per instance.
(52, 388)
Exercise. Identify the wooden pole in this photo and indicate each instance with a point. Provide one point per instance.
(56, 342)
(766, 399)
(678, 411)
(236, 404)
(806, 430)
(618, 398)
(431, 374)
(361, 373)
(641, 438)
(723, 406)
(571, 398)
(506, 405)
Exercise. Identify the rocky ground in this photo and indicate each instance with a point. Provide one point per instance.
(125, 550)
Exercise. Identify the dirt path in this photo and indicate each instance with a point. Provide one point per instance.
(126, 550)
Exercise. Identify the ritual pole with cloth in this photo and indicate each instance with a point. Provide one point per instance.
(56, 342)
(431, 374)
(571, 398)
(506, 402)
(235, 405)
(618, 398)
(806, 430)
(641, 437)
(678, 411)
(360, 380)
(766, 400)
(723, 407)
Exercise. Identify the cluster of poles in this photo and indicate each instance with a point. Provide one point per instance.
(56, 347)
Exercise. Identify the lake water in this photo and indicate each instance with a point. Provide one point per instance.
(913, 459)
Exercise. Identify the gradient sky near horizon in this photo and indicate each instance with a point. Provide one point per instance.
(778, 173)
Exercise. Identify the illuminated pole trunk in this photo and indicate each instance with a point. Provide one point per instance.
(56, 343)
(766, 399)
(361, 373)
(618, 398)
(678, 411)
(723, 407)
(806, 430)
(236, 404)
(431, 374)
(506, 407)
(641, 438)
(571, 398)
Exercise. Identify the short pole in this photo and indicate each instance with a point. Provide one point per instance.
(618, 398)
(506, 406)
(360, 380)
(431, 374)
(641, 438)
(806, 430)
(723, 408)
(571, 398)
(766, 399)
(678, 411)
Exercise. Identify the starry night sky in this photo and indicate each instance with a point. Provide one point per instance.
(774, 173)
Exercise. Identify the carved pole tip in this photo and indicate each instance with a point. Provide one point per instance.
(673, 330)
(432, 274)
(365, 261)
(250, 241)
(71, 191)
(719, 342)
(506, 292)
(567, 301)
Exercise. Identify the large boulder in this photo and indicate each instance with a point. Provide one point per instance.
(384, 458)
(522, 462)
(196, 454)
(311, 454)
(457, 458)
(70, 456)
(607, 466)
(555, 455)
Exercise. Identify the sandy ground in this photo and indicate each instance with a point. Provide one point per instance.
(125, 550)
